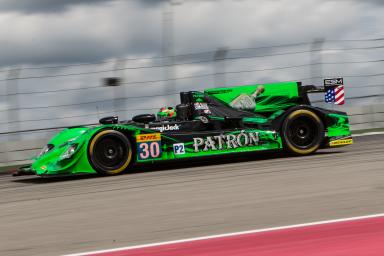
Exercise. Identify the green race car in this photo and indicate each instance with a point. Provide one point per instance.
(218, 121)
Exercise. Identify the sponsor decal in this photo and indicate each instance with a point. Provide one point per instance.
(243, 102)
(204, 119)
(228, 141)
(148, 146)
(201, 106)
(174, 127)
(341, 142)
(148, 137)
(179, 149)
(207, 111)
(333, 81)
(220, 91)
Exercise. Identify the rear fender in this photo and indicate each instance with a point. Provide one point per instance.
(322, 113)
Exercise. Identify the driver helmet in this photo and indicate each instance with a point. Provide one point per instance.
(166, 113)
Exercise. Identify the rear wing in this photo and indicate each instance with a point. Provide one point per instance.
(333, 89)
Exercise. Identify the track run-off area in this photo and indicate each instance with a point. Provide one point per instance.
(185, 200)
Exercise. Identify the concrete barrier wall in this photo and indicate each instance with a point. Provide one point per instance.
(21, 151)
(366, 117)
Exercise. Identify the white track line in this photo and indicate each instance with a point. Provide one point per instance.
(230, 234)
(366, 134)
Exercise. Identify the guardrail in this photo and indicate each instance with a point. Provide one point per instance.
(20, 152)
(366, 117)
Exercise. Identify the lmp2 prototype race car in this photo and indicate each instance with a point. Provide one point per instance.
(219, 121)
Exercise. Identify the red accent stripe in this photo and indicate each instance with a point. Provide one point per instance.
(339, 95)
(348, 238)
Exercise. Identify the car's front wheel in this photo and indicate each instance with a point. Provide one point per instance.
(110, 152)
(302, 132)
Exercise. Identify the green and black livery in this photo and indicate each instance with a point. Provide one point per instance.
(219, 121)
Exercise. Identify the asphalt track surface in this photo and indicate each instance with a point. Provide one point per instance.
(177, 201)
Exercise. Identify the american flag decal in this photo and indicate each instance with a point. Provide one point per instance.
(334, 91)
(339, 95)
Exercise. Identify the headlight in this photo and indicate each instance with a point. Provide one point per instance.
(45, 150)
(69, 152)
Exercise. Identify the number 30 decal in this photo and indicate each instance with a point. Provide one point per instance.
(148, 150)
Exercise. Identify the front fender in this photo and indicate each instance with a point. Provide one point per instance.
(51, 163)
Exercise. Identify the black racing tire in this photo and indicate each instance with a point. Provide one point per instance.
(110, 152)
(302, 132)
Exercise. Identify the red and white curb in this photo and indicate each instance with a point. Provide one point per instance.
(227, 235)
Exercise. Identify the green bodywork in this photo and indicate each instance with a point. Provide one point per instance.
(340, 127)
(51, 164)
(276, 96)
(273, 103)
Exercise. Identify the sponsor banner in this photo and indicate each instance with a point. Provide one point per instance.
(341, 142)
(148, 137)
(226, 141)
(168, 127)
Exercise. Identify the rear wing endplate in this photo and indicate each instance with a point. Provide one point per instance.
(330, 83)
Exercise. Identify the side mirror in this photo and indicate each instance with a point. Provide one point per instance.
(144, 118)
(109, 120)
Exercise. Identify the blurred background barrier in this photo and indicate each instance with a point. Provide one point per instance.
(366, 117)
(20, 152)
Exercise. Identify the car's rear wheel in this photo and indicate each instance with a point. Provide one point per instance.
(110, 152)
(302, 132)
